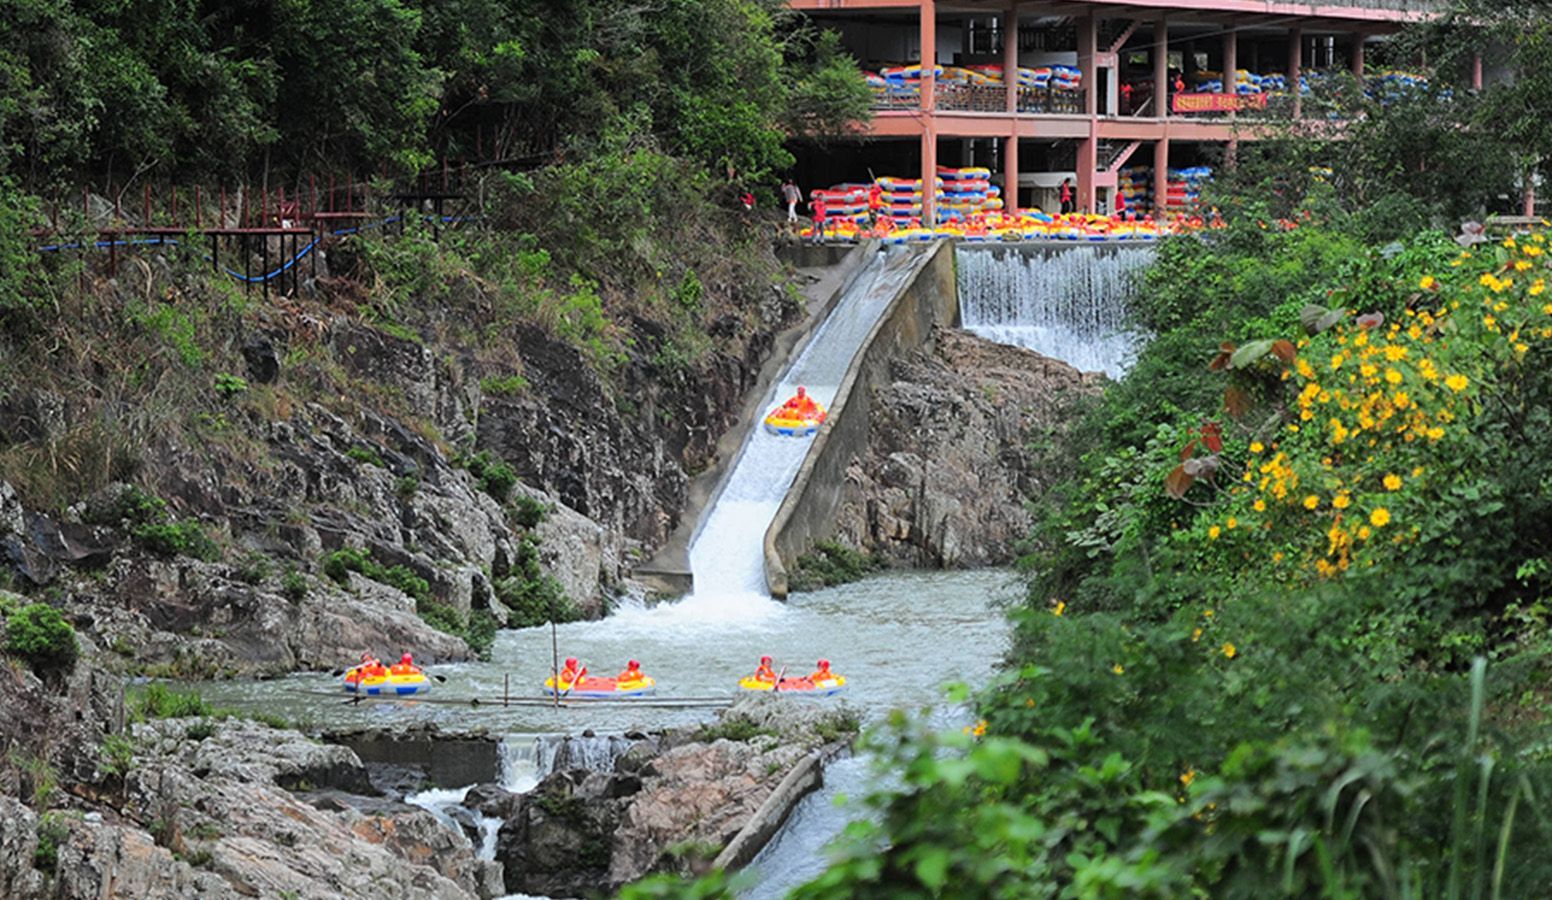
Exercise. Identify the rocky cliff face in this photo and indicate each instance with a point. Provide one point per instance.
(948, 469)
(340, 435)
(197, 808)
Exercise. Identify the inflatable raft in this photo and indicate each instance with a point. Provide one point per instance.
(392, 684)
(800, 416)
(591, 687)
(825, 688)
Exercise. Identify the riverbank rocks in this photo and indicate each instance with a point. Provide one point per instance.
(948, 470)
(668, 802)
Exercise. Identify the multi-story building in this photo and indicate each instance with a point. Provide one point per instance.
(1146, 92)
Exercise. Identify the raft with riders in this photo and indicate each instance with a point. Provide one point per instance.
(371, 678)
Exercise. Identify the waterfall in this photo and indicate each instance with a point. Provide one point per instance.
(519, 767)
(1068, 303)
(563, 753)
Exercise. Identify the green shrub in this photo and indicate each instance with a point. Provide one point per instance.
(498, 480)
(118, 755)
(185, 538)
(406, 486)
(158, 701)
(132, 506)
(533, 596)
(253, 568)
(228, 385)
(38, 634)
(52, 831)
(831, 564)
(495, 476)
(528, 511)
(365, 455)
(340, 563)
(478, 630)
(293, 585)
(504, 386)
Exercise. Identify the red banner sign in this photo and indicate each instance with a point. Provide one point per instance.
(1190, 103)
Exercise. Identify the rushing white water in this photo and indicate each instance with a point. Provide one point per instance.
(437, 801)
(1069, 303)
(727, 556)
(520, 769)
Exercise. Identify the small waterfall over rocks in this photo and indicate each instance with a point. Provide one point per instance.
(1067, 302)
(596, 753)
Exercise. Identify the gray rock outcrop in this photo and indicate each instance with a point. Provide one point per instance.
(948, 469)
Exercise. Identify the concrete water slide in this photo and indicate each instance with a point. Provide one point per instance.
(749, 519)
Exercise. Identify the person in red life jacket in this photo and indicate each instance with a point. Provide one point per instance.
(822, 673)
(765, 673)
(747, 200)
(406, 666)
(1119, 205)
(632, 672)
(801, 405)
(1066, 196)
(875, 204)
(570, 673)
(1126, 97)
(817, 207)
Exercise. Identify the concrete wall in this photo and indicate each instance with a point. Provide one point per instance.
(807, 516)
(668, 571)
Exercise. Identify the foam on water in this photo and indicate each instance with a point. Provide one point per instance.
(1068, 303)
(727, 556)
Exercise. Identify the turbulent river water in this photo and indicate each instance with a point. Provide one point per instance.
(897, 637)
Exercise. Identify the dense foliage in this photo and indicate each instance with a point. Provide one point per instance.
(113, 89)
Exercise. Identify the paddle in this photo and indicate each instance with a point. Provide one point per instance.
(779, 676)
(575, 681)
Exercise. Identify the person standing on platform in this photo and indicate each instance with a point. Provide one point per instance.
(817, 206)
(793, 196)
(1066, 195)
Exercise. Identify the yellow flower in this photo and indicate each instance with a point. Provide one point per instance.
(1259, 505)
(1187, 777)
(1435, 433)
(1208, 613)
(1417, 472)
(1363, 533)
(1380, 517)
(1232, 522)
(1311, 501)
(1427, 283)
(1522, 265)
(1257, 446)
(1196, 635)
(979, 729)
(1229, 651)
(1341, 501)
(1392, 482)
(1061, 607)
(1117, 668)
(1278, 556)
(1392, 376)
(1456, 383)
(1213, 532)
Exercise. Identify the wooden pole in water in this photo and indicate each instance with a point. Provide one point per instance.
(506, 689)
(555, 662)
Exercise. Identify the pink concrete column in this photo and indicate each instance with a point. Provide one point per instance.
(1161, 68)
(929, 55)
(1230, 59)
(929, 159)
(1296, 68)
(1530, 193)
(929, 151)
(1088, 148)
(1160, 175)
(1088, 45)
(1476, 72)
(1010, 21)
(1358, 56)
(1010, 173)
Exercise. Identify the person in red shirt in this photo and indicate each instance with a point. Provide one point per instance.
(1066, 196)
(1119, 205)
(817, 206)
(875, 204)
